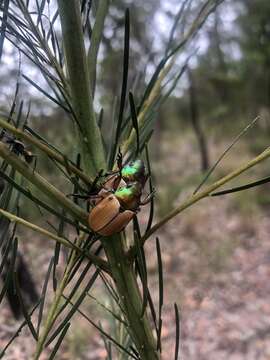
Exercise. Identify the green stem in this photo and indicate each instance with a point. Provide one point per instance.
(78, 74)
(52, 315)
(18, 220)
(207, 191)
(96, 36)
(95, 259)
(43, 185)
(125, 280)
(46, 149)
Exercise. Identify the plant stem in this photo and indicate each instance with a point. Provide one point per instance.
(125, 280)
(43, 185)
(46, 149)
(51, 317)
(96, 36)
(95, 259)
(207, 191)
(78, 74)
(21, 221)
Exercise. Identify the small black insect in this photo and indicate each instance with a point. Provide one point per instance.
(18, 147)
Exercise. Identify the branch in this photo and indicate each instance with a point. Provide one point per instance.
(202, 194)
(43, 185)
(71, 23)
(46, 149)
(18, 220)
(96, 36)
(131, 300)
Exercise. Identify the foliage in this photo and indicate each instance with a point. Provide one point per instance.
(55, 37)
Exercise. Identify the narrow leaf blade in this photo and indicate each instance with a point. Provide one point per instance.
(134, 121)
(124, 86)
(243, 187)
(177, 332)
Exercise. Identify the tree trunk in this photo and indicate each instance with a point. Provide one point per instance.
(195, 121)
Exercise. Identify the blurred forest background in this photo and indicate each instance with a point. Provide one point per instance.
(217, 255)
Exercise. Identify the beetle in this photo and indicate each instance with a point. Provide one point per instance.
(113, 211)
(116, 200)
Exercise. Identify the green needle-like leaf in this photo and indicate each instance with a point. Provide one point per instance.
(243, 187)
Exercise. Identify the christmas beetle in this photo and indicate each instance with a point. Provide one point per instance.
(115, 210)
(118, 199)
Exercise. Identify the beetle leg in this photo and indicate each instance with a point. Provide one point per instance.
(117, 181)
(96, 179)
(119, 160)
(120, 167)
(35, 162)
(95, 199)
(148, 198)
(146, 177)
(92, 198)
(79, 196)
(112, 182)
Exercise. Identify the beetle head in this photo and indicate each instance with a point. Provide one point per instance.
(134, 171)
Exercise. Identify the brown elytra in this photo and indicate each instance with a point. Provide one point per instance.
(106, 219)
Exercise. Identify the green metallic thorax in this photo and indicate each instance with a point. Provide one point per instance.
(133, 171)
(129, 196)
